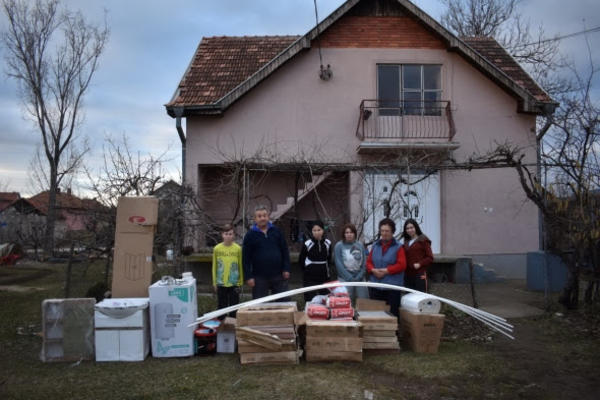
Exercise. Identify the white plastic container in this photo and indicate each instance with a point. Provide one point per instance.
(420, 303)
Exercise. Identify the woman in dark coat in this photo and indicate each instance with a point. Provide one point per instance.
(314, 259)
(417, 248)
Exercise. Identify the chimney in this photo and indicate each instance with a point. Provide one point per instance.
(69, 191)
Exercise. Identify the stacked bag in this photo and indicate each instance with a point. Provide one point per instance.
(331, 332)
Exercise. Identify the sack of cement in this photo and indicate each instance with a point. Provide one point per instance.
(420, 303)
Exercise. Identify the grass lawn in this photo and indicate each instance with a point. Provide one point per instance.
(552, 358)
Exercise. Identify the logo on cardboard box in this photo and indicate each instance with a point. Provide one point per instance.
(137, 219)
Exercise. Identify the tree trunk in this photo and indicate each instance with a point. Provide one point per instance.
(570, 295)
(68, 273)
(51, 214)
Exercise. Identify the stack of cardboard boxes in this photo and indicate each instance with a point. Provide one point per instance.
(380, 330)
(266, 334)
(333, 341)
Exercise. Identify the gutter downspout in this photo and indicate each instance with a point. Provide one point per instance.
(178, 115)
(180, 225)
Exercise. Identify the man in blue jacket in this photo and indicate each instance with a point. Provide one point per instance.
(265, 256)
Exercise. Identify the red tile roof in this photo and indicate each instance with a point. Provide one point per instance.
(490, 49)
(63, 201)
(221, 63)
(7, 198)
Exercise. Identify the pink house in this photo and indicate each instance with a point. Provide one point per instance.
(357, 119)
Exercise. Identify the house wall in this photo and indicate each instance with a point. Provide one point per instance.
(293, 115)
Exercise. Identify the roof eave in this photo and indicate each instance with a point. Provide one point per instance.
(193, 110)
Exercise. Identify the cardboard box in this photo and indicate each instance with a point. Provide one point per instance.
(122, 330)
(282, 357)
(390, 346)
(381, 333)
(380, 339)
(327, 344)
(371, 305)
(281, 331)
(248, 347)
(68, 329)
(333, 328)
(226, 336)
(263, 339)
(319, 356)
(268, 314)
(226, 342)
(173, 306)
(134, 235)
(421, 332)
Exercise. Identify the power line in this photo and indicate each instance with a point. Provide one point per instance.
(557, 38)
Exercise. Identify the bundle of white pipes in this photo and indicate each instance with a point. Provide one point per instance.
(495, 322)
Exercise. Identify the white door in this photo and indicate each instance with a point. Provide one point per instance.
(403, 197)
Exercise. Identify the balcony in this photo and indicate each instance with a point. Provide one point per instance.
(387, 125)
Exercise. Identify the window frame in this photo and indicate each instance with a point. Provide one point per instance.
(421, 110)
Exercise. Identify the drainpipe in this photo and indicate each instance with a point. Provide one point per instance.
(180, 228)
(178, 115)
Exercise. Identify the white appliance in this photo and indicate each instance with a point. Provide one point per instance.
(173, 306)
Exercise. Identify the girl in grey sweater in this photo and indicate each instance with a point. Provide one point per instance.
(350, 262)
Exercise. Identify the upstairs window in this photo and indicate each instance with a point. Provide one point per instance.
(409, 89)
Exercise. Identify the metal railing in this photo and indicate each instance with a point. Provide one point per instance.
(406, 119)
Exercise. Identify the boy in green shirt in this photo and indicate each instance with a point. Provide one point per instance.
(227, 270)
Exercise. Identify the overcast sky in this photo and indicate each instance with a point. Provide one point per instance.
(152, 42)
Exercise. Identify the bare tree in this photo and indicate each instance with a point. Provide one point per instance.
(53, 55)
(570, 196)
(69, 167)
(501, 20)
(478, 17)
(124, 172)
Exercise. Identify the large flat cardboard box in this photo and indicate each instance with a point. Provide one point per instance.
(281, 331)
(380, 339)
(371, 305)
(421, 332)
(248, 347)
(333, 328)
(268, 314)
(282, 357)
(372, 346)
(320, 356)
(263, 339)
(134, 235)
(325, 344)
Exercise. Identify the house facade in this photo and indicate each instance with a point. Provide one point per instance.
(364, 117)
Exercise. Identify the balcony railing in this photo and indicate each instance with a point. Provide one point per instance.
(405, 120)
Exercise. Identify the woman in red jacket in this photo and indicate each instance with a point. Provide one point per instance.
(417, 248)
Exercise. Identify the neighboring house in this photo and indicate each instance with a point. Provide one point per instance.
(73, 213)
(7, 198)
(360, 135)
(22, 222)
